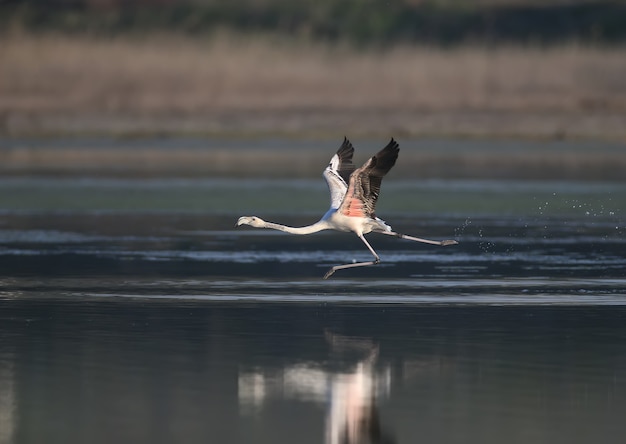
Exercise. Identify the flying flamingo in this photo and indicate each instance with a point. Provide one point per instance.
(353, 196)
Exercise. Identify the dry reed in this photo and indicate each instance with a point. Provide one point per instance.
(166, 76)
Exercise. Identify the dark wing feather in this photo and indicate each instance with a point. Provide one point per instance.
(337, 173)
(364, 186)
(383, 161)
(345, 153)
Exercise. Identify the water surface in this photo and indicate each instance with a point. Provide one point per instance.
(132, 310)
(132, 370)
(518, 241)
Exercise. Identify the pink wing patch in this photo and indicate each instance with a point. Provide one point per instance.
(353, 207)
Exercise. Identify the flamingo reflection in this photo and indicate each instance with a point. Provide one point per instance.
(350, 395)
(7, 400)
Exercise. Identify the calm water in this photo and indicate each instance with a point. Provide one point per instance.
(134, 311)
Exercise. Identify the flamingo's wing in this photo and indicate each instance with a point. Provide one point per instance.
(364, 187)
(338, 171)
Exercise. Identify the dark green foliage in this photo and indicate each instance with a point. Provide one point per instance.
(362, 22)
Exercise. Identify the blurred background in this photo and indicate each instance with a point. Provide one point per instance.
(314, 70)
(134, 133)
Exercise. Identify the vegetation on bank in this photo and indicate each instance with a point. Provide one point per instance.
(361, 22)
(171, 84)
(491, 67)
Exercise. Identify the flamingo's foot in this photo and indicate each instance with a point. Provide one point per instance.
(329, 273)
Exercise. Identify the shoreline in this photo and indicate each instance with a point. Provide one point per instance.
(287, 157)
(319, 123)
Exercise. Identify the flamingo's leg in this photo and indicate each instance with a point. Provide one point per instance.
(357, 264)
(419, 239)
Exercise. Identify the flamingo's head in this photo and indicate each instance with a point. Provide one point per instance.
(253, 221)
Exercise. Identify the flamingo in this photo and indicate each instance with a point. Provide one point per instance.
(353, 196)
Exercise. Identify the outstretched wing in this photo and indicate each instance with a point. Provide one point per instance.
(337, 173)
(364, 187)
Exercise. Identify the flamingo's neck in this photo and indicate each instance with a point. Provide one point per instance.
(309, 229)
